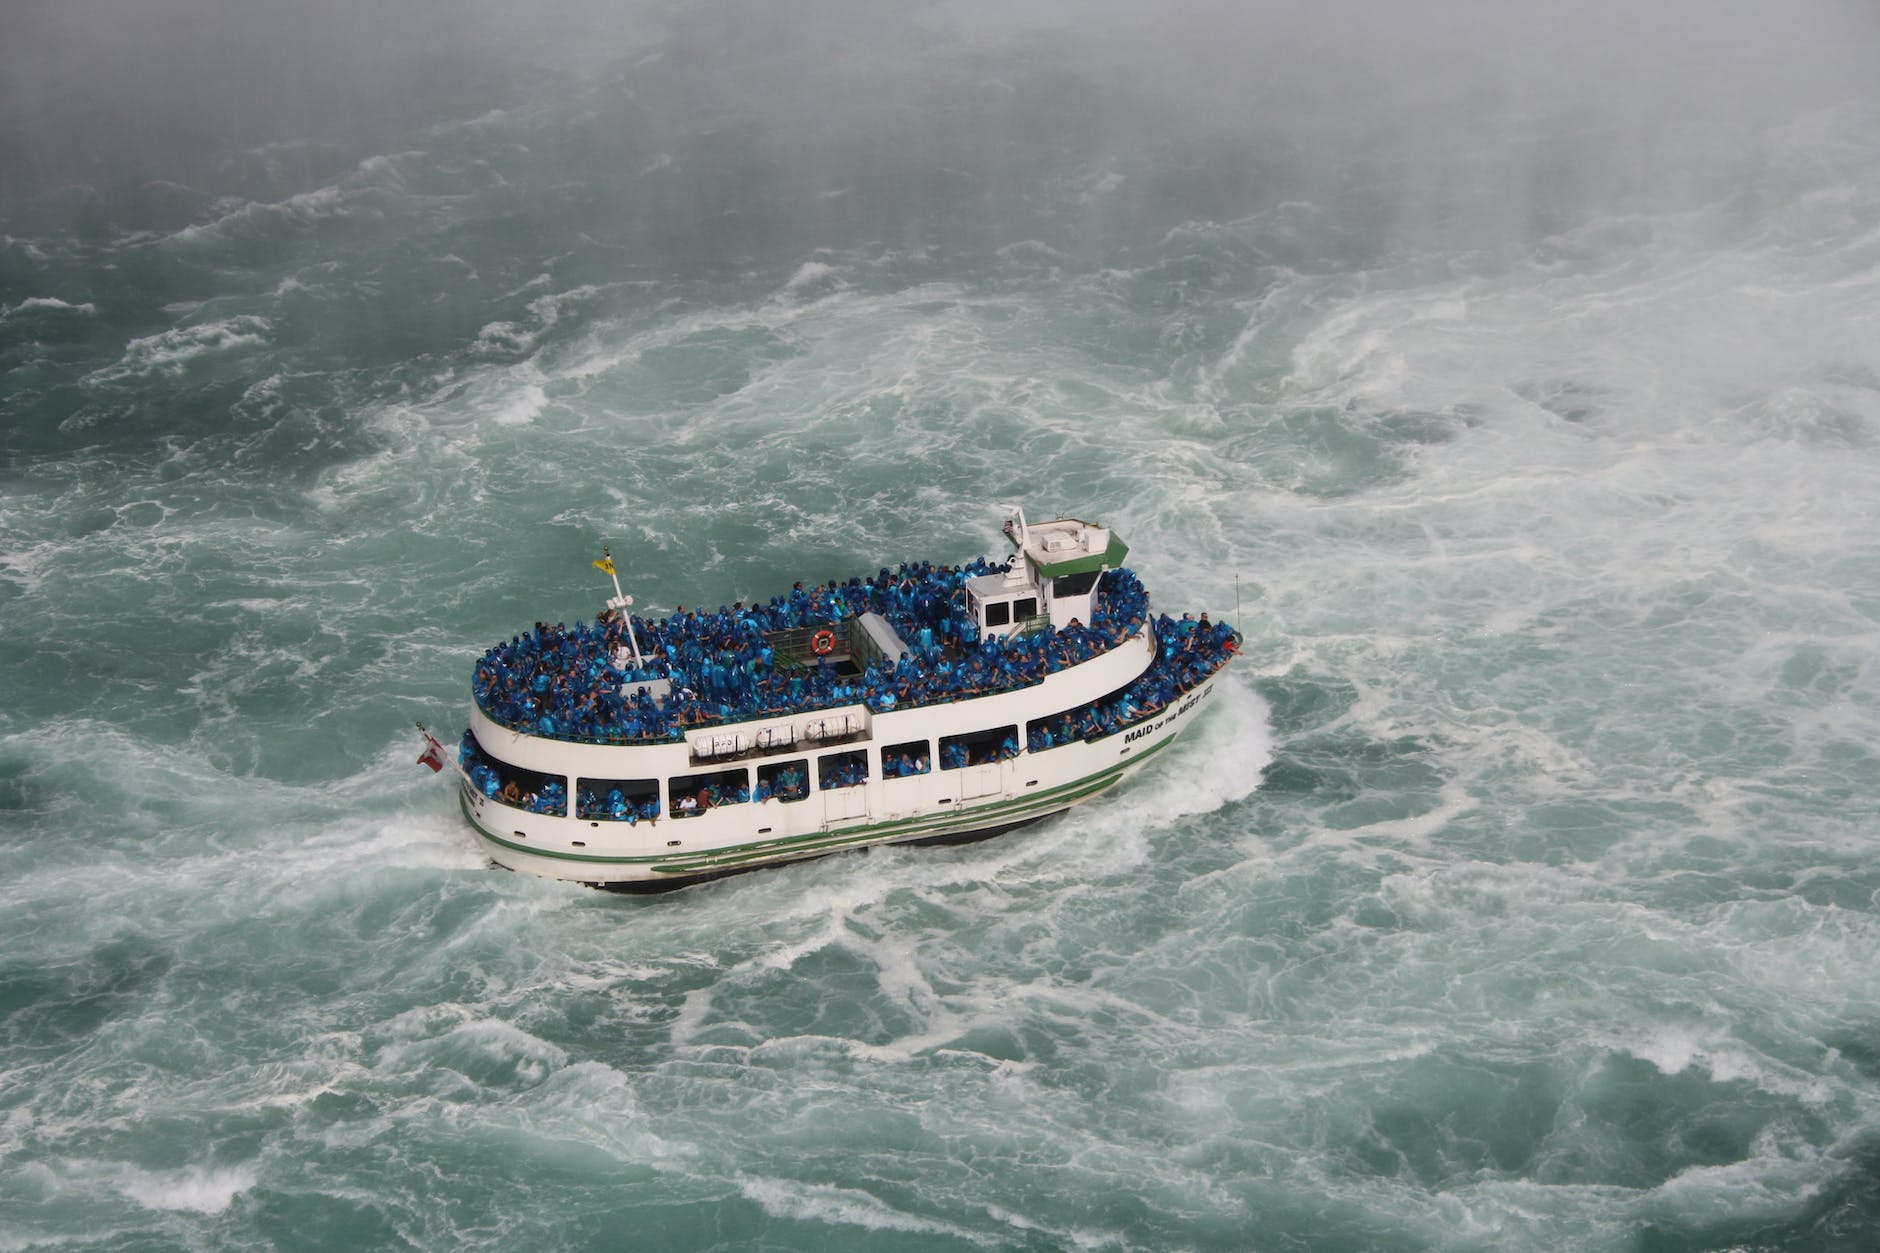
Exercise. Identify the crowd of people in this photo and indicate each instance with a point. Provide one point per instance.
(544, 795)
(788, 782)
(583, 684)
(842, 770)
(616, 805)
(905, 764)
(958, 753)
(1188, 651)
(732, 788)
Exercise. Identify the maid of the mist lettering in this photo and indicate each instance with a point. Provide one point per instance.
(1152, 727)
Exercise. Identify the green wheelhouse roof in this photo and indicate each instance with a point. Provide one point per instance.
(1084, 563)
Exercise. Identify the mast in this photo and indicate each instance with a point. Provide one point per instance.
(620, 603)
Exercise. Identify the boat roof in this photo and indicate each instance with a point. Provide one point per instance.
(1067, 546)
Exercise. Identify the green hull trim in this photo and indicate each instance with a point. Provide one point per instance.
(681, 865)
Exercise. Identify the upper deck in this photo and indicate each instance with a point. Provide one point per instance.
(908, 637)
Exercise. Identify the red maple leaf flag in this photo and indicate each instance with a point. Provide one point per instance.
(433, 754)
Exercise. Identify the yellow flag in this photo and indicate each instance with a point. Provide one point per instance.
(605, 565)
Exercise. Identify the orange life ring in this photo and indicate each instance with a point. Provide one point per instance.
(823, 642)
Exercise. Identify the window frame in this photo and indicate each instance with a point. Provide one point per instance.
(700, 782)
(769, 771)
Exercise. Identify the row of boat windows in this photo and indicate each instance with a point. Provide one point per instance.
(687, 795)
(1005, 612)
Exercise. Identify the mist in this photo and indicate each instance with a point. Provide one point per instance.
(851, 119)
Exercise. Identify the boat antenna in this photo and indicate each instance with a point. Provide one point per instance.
(1015, 528)
(620, 603)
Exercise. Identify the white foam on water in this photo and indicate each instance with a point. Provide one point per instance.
(1214, 764)
(194, 1189)
(47, 304)
(235, 216)
(546, 313)
(379, 174)
(524, 404)
(170, 352)
(841, 1207)
(1078, 1238)
(29, 249)
(1766, 1188)
(809, 274)
(590, 1106)
(484, 1040)
(26, 566)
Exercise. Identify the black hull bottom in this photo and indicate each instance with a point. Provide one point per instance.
(973, 837)
(655, 887)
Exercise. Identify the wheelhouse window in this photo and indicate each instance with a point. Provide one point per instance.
(512, 785)
(692, 794)
(784, 780)
(998, 612)
(978, 748)
(904, 761)
(1075, 584)
(834, 770)
(616, 800)
(1025, 607)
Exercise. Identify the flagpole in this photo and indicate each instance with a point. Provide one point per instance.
(621, 603)
(447, 757)
(607, 563)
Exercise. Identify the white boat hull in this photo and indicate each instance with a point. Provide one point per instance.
(941, 805)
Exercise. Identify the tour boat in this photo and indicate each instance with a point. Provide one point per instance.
(922, 704)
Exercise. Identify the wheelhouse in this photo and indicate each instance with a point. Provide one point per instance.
(1051, 580)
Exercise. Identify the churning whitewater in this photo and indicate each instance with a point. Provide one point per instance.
(1512, 384)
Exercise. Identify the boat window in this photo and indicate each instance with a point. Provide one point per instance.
(1088, 721)
(616, 800)
(1025, 607)
(1053, 732)
(998, 612)
(512, 785)
(901, 761)
(692, 794)
(976, 748)
(784, 780)
(834, 770)
(1075, 584)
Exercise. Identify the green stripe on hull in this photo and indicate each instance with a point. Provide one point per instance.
(688, 864)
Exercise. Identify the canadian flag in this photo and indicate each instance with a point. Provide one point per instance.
(433, 754)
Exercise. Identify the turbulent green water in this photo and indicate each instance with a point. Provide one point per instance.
(1519, 892)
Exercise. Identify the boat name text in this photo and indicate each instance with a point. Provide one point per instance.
(1150, 728)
